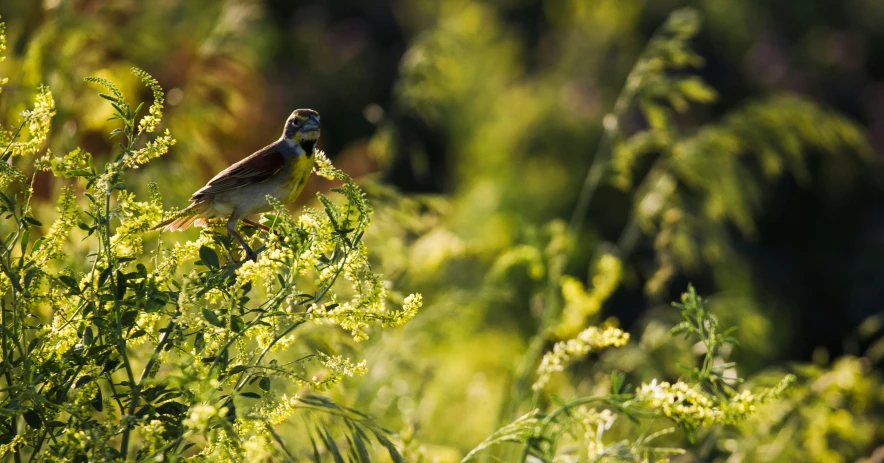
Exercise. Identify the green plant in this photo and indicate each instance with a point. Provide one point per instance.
(689, 188)
(136, 353)
(577, 429)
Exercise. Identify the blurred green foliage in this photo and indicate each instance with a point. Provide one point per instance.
(722, 155)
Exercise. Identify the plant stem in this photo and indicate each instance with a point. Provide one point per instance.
(118, 332)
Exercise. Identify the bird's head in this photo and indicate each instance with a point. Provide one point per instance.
(302, 128)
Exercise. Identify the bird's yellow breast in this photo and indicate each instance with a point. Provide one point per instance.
(300, 170)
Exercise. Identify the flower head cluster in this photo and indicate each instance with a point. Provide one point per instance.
(357, 319)
(563, 353)
(152, 150)
(683, 402)
(521, 255)
(152, 433)
(580, 304)
(51, 248)
(337, 368)
(690, 406)
(3, 80)
(320, 236)
(137, 217)
(155, 112)
(410, 306)
(18, 439)
(8, 173)
(202, 415)
(323, 167)
(69, 165)
(594, 423)
(366, 302)
(37, 121)
(264, 271)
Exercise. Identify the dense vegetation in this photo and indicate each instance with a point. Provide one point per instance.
(517, 312)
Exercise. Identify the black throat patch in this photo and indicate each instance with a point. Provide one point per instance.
(308, 146)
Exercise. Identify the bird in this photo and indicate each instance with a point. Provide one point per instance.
(280, 170)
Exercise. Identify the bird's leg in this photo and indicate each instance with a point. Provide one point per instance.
(258, 225)
(231, 228)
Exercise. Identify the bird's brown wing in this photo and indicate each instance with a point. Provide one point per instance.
(254, 169)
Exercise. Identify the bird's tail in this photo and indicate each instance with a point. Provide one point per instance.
(183, 219)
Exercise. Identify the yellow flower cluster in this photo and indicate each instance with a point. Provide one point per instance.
(323, 166)
(522, 254)
(2, 42)
(61, 228)
(367, 303)
(594, 424)
(410, 306)
(579, 304)
(37, 121)
(682, 402)
(137, 217)
(152, 150)
(3, 80)
(338, 368)
(152, 434)
(690, 405)
(155, 112)
(320, 236)
(267, 267)
(201, 416)
(64, 166)
(563, 353)
(8, 173)
(19, 439)
(182, 253)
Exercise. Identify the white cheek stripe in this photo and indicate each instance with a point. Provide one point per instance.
(290, 142)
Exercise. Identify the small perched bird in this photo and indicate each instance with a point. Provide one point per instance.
(279, 170)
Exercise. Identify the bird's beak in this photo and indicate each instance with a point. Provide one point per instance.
(311, 124)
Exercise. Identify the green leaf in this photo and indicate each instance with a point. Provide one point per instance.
(212, 318)
(105, 274)
(33, 344)
(38, 243)
(70, 283)
(110, 98)
(97, 403)
(330, 444)
(264, 383)
(33, 221)
(391, 449)
(237, 324)
(79, 173)
(199, 342)
(251, 395)
(128, 318)
(237, 369)
(25, 237)
(209, 257)
(29, 276)
(33, 419)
